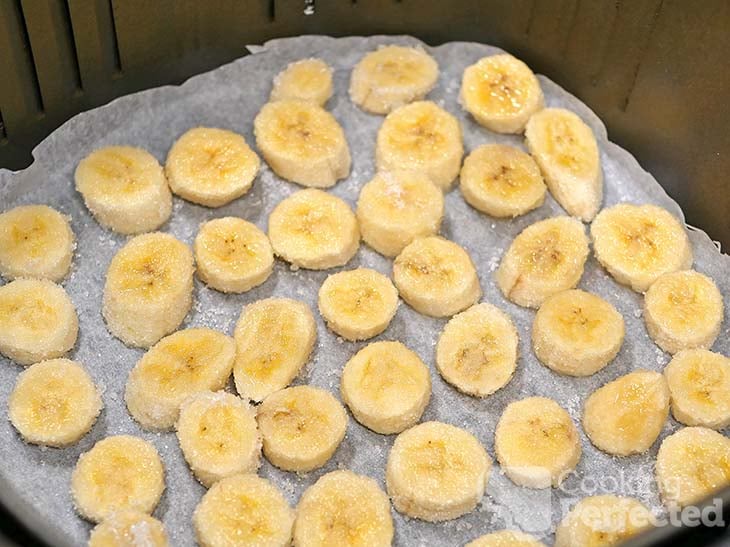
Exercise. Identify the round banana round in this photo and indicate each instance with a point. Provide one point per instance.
(639, 243)
(423, 137)
(211, 166)
(436, 277)
(178, 366)
(477, 350)
(302, 143)
(625, 416)
(38, 321)
(577, 333)
(386, 387)
(396, 207)
(314, 230)
(119, 473)
(35, 241)
(301, 427)
(545, 258)
(343, 509)
(149, 289)
(537, 443)
(125, 189)
(358, 304)
(290, 331)
(129, 529)
(506, 538)
(683, 310)
(305, 80)
(392, 76)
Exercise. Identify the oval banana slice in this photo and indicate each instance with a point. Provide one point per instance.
(638, 243)
(305, 80)
(505, 538)
(129, 529)
(536, 443)
(125, 189)
(421, 137)
(386, 386)
(358, 304)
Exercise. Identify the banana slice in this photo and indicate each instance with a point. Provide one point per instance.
(304, 80)
(218, 436)
(421, 137)
(125, 189)
(313, 229)
(683, 310)
(290, 332)
(626, 416)
(506, 538)
(477, 350)
(396, 207)
(386, 386)
(392, 76)
(178, 366)
(232, 255)
(536, 443)
(149, 289)
(577, 333)
(211, 166)
(436, 277)
(129, 529)
(302, 143)
(436, 472)
(301, 427)
(358, 304)
(119, 473)
(638, 243)
(35, 241)
(37, 321)
(545, 258)
(343, 509)
(243, 510)
(565, 149)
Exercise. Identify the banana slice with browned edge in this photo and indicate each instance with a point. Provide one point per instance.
(304, 80)
(505, 538)
(129, 529)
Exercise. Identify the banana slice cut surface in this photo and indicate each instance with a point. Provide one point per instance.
(305, 80)
(129, 529)
(506, 538)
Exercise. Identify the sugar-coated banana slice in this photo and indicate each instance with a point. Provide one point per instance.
(129, 529)
(625, 416)
(392, 76)
(313, 229)
(302, 143)
(386, 386)
(423, 137)
(545, 258)
(358, 304)
(304, 80)
(243, 510)
(125, 189)
(37, 321)
(537, 443)
(396, 207)
(436, 472)
(232, 255)
(577, 333)
(149, 289)
(436, 277)
(119, 473)
(506, 538)
(178, 366)
(343, 509)
(301, 427)
(639, 243)
(477, 350)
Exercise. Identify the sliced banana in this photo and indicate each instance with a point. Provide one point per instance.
(178, 366)
(305, 80)
(545, 258)
(38, 321)
(302, 143)
(301, 427)
(639, 243)
(125, 189)
(119, 473)
(149, 289)
(577, 333)
(129, 529)
(436, 277)
(505, 538)
(423, 137)
(386, 386)
(315, 230)
(537, 443)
